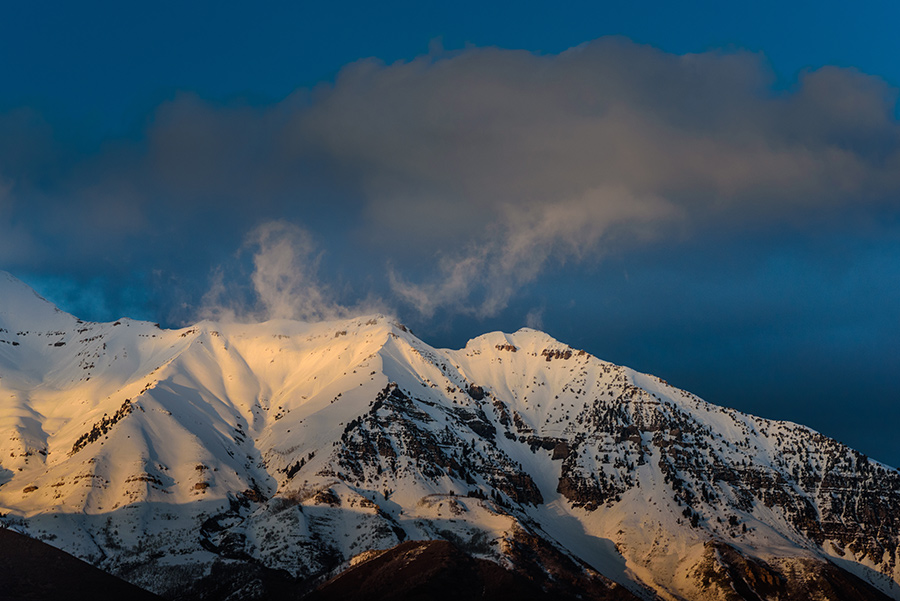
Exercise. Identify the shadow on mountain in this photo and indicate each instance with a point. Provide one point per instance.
(433, 570)
(31, 570)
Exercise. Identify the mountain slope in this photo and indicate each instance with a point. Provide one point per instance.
(156, 454)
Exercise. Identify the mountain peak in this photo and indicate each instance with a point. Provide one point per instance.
(303, 447)
(22, 307)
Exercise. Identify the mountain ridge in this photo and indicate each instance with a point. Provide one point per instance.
(291, 446)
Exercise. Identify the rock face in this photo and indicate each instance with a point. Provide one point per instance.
(243, 461)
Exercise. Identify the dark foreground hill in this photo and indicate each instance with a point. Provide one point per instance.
(438, 571)
(31, 570)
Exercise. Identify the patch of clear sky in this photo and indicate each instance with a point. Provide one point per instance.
(106, 64)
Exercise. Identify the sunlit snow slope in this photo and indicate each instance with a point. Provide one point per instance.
(302, 447)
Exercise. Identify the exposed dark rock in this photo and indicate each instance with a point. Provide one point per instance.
(327, 496)
(502, 412)
(476, 392)
(551, 354)
(99, 429)
(560, 451)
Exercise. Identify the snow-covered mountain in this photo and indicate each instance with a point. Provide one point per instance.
(232, 455)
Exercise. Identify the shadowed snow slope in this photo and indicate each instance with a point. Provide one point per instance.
(171, 457)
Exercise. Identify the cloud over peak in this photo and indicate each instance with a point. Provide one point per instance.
(492, 164)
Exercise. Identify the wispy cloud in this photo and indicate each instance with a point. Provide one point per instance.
(285, 282)
(535, 319)
(481, 279)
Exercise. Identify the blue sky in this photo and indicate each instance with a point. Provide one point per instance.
(703, 191)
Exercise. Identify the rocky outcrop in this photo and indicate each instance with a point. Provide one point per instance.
(396, 436)
(726, 573)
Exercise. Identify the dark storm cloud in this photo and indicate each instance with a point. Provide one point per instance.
(501, 162)
(528, 158)
(489, 127)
